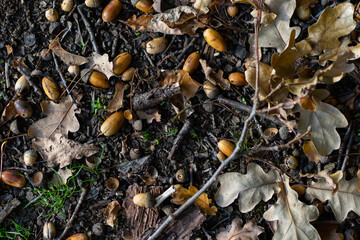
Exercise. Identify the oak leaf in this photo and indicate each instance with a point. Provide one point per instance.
(250, 231)
(61, 150)
(293, 216)
(102, 64)
(311, 152)
(117, 100)
(8, 113)
(323, 121)
(140, 23)
(331, 178)
(213, 77)
(65, 56)
(188, 86)
(60, 177)
(249, 188)
(182, 195)
(111, 212)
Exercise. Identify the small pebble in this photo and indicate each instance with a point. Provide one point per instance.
(138, 125)
(284, 132)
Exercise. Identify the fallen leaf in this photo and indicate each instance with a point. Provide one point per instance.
(332, 24)
(250, 231)
(249, 188)
(60, 177)
(331, 179)
(117, 100)
(201, 6)
(331, 55)
(327, 231)
(311, 152)
(61, 150)
(293, 216)
(323, 121)
(101, 63)
(8, 113)
(60, 119)
(344, 200)
(188, 86)
(213, 77)
(9, 49)
(140, 23)
(149, 115)
(111, 212)
(182, 195)
(67, 57)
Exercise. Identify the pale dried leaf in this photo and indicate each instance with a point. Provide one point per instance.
(60, 119)
(8, 113)
(356, 51)
(188, 86)
(149, 115)
(102, 64)
(311, 152)
(293, 216)
(61, 176)
(323, 121)
(265, 73)
(344, 200)
(332, 54)
(117, 100)
(250, 231)
(202, 6)
(213, 77)
(67, 57)
(111, 212)
(331, 25)
(60, 150)
(249, 188)
(331, 179)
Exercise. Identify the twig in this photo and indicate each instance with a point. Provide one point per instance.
(343, 143)
(285, 105)
(348, 148)
(184, 130)
(7, 74)
(184, 51)
(88, 28)
(148, 58)
(63, 80)
(77, 208)
(8, 138)
(14, 203)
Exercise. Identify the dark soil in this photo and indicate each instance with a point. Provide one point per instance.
(26, 29)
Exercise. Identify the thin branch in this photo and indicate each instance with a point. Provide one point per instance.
(184, 130)
(88, 28)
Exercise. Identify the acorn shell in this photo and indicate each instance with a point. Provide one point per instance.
(50, 88)
(157, 45)
(215, 40)
(211, 90)
(13, 178)
(226, 147)
(99, 80)
(221, 156)
(192, 62)
(121, 63)
(49, 231)
(30, 157)
(111, 11)
(112, 184)
(112, 124)
(22, 86)
(92, 3)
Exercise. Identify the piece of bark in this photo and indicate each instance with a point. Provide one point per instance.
(139, 219)
(176, 143)
(9, 208)
(155, 96)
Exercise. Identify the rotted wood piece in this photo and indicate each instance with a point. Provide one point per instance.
(9, 208)
(184, 130)
(155, 96)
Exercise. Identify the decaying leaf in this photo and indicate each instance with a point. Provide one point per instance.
(265, 73)
(249, 188)
(250, 231)
(293, 216)
(111, 212)
(311, 152)
(331, 55)
(117, 100)
(331, 179)
(344, 200)
(182, 195)
(323, 121)
(202, 6)
(61, 150)
(333, 23)
(149, 115)
(101, 63)
(67, 57)
(8, 113)
(60, 119)
(188, 86)
(213, 77)
(60, 177)
(139, 23)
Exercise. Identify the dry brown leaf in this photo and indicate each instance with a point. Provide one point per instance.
(327, 231)
(67, 57)
(331, 179)
(139, 23)
(265, 73)
(188, 86)
(323, 121)
(8, 113)
(182, 195)
(331, 55)
(61, 150)
(111, 212)
(60, 119)
(9, 49)
(117, 100)
(102, 64)
(60, 177)
(310, 152)
(213, 77)
(149, 115)
(250, 231)
(201, 6)
(331, 25)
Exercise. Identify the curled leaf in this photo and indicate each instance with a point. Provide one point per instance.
(65, 56)
(213, 77)
(311, 152)
(102, 64)
(117, 100)
(111, 212)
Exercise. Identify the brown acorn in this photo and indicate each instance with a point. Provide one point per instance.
(99, 80)
(144, 200)
(128, 74)
(52, 15)
(111, 11)
(226, 147)
(112, 124)
(232, 10)
(192, 62)
(92, 3)
(22, 86)
(145, 6)
(215, 40)
(13, 178)
(121, 63)
(78, 236)
(23, 108)
(291, 162)
(157, 45)
(30, 157)
(50, 87)
(221, 156)
(67, 5)
(237, 79)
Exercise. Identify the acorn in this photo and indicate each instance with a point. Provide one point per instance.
(192, 62)
(215, 40)
(13, 178)
(303, 13)
(157, 45)
(112, 124)
(52, 15)
(92, 3)
(232, 10)
(221, 156)
(112, 184)
(38, 179)
(128, 74)
(226, 147)
(181, 176)
(145, 6)
(30, 157)
(23, 108)
(78, 236)
(67, 5)
(49, 231)
(144, 200)
(128, 114)
(299, 189)
(111, 11)
(99, 80)
(135, 153)
(121, 63)
(22, 86)
(50, 87)
(211, 90)
(74, 70)
(237, 79)
(291, 162)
